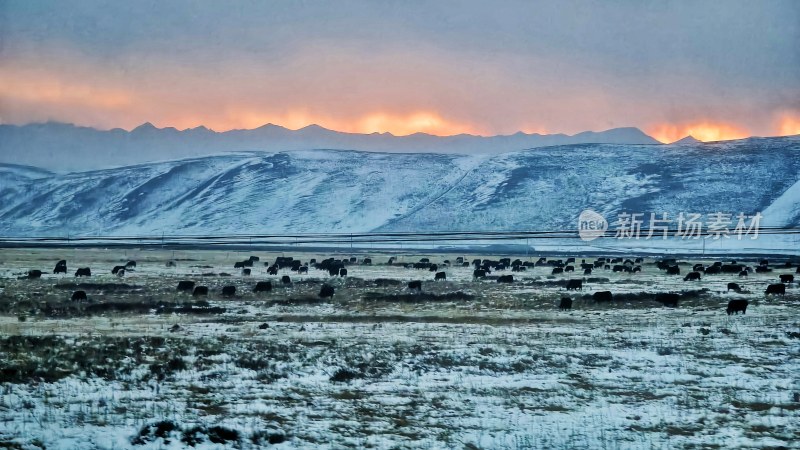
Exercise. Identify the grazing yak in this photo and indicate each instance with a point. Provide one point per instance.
(326, 291)
(83, 272)
(506, 279)
(286, 280)
(735, 306)
(742, 274)
(587, 271)
(575, 285)
(734, 287)
(603, 296)
(116, 270)
(246, 272)
(569, 269)
(415, 285)
(673, 270)
(200, 290)
(121, 273)
(130, 265)
(692, 276)
(228, 291)
(566, 304)
(272, 270)
(731, 268)
(763, 269)
(557, 270)
(185, 285)
(283, 261)
(61, 267)
(34, 273)
(478, 273)
(668, 299)
(78, 295)
(303, 269)
(342, 272)
(776, 289)
(787, 278)
(440, 276)
(255, 258)
(263, 286)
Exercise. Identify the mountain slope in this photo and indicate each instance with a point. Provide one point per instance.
(348, 191)
(64, 148)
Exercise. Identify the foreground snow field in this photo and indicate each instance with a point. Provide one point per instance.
(466, 364)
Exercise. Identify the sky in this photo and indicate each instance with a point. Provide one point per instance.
(713, 69)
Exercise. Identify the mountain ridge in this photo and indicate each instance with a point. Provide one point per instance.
(64, 147)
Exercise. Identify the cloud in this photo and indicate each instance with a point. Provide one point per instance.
(437, 67)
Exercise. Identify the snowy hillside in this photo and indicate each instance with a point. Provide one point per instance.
(348, 191)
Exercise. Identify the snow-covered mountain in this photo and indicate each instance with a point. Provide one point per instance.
(349, 191)
(64, 148)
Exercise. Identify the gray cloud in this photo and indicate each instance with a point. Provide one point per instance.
(486, 67)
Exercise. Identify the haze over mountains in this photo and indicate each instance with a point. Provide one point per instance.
(63, 147)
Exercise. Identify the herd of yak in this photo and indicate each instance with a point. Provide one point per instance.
(482, 268)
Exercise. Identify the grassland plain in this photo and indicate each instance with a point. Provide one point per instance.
(463, 364)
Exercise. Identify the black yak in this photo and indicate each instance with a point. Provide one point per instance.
(776, 289)
(61, 267)
(200, 290)
(228, 291)
(668, 299)
(263, 286)
(692, 276)
(185, 285)
(603, 296)
(735, 306)
(326, 291)
(574, 285)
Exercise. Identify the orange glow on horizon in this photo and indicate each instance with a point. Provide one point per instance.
(379, 122)
(25, 93)
(705, 131)
(789, 126)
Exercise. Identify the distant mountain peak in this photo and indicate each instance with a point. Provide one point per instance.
(688, 140)
(313, 127)
(147, 126)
